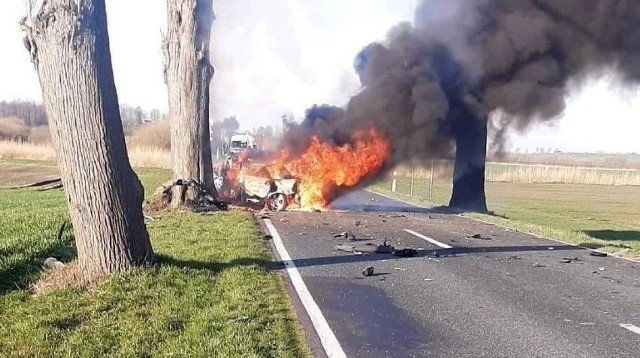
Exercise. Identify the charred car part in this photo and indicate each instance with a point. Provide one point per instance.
(259, 192)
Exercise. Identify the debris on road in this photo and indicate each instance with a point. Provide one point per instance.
(429, 279)
(537, 264)
(479, 237)
(515, 257)
(568, 260)
(399, 269)
(598, 254)
(358, 223)
(367, 247)
(368, 271)
(346, 235)
(267, 237)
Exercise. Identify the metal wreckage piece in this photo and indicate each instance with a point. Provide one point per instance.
(201, 200)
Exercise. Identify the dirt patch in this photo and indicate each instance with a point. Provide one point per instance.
(12, 174)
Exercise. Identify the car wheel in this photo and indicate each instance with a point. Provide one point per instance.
(277, 202)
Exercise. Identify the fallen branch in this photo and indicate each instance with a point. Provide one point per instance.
(48, 182)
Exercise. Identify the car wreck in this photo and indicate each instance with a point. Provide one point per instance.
(253, 186)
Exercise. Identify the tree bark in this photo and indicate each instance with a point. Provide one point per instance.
(69, 47)
(188, 74)
(470, 134)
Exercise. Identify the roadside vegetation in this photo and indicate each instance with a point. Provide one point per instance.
(605, 217)
(212, 294)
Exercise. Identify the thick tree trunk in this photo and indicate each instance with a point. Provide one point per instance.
(69, 47)
(188, 74)
(469, 171)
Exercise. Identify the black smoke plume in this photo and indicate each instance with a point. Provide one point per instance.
(435, 82)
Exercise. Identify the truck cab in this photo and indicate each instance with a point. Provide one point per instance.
(240, 142)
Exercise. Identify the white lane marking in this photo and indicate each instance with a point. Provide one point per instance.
(433, 241)
(328, 339)
(632, 328)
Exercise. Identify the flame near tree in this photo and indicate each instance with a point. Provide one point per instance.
(323, 170)
(326, 171)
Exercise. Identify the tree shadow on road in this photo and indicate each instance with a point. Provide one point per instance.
(426, 254)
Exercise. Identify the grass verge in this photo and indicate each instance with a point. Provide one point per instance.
(601, 217)
(212, 294)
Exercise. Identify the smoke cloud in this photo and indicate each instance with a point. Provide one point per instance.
(513, 59)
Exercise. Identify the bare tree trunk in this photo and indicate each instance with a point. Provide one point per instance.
(69, 46)
(188, 74)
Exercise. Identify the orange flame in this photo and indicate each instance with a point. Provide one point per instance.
(324, 170)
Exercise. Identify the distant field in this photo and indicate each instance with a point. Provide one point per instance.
(533, 173)
(592, 160)
(141, 156)
(606, 217)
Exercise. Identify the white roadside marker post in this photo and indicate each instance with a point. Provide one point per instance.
(394, 183)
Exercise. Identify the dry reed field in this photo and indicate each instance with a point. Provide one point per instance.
(531, 174)
(141, 157)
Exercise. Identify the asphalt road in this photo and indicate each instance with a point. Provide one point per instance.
(508, 294)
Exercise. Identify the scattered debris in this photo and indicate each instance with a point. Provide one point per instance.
(568, 260)
(346, 235)
(429, 279)
(399, 269)
(368, 271)
(267, 237)
(53, 263)
(515, 257)
(598, 254)
(550, 248)
(358, 223)
(197, 198)
(537, 264)
(367, 247)
(602, 269)
(407, 252)
(479, 237)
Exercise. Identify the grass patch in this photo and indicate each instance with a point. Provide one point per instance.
(211, 295)
(602, 217)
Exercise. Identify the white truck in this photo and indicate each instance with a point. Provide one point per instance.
(241, 142)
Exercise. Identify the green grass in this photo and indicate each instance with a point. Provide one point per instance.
(212, 294)
(596, 216)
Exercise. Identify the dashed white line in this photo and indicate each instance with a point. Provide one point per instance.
(427, 238)
(632, 328)
(328, 339)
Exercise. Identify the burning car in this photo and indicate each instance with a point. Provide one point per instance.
(257, 191)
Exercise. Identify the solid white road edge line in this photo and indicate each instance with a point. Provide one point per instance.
(630, 327)
(433, 241)
(328, 339)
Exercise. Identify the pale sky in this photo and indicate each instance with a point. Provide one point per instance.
(285, 55)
